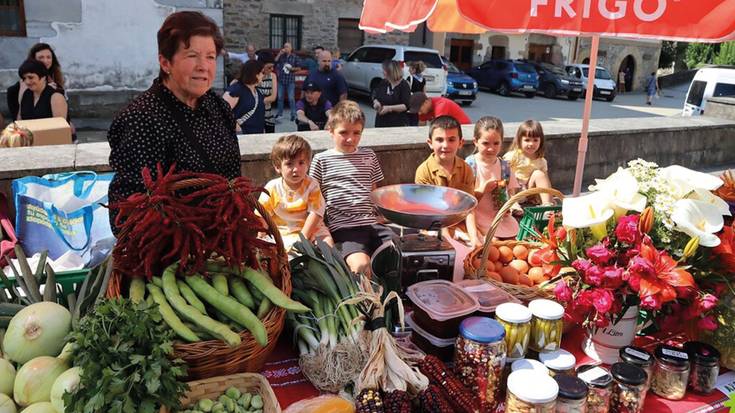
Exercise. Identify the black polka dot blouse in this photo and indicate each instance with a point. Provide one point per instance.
(145, 133)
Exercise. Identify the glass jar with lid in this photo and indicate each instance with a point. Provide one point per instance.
(705, 366)
(559, 362)
(516, 319)
(639, 357)
(531, 391)
(599, 382)
(628, 391)
(529, 364)
(572, 396)
(670, 372)
(546, 325)
(480, 357)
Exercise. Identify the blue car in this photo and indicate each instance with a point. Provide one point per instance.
(506, 77)
(460, 87)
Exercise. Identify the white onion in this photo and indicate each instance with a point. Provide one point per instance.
(37, 330)
(68, 381)
(35, 378)
(7, 376)
(6, 404)
(40, 407)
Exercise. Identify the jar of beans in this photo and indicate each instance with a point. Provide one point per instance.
(638, 357)
(705, 366)
(599, 382)
(628, 389)
(572, 394)
(530, 391)
(546, 325)
(670, 372)
(479, 358)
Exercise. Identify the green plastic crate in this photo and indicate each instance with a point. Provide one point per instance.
(70, 281)
(534, 220)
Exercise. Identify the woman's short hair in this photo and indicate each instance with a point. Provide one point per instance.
(393, 70)
(179, 27)
(32, 66)
(249, 72)
(418, 66)
(55, 70)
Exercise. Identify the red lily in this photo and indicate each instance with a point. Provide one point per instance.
(548, 254)
(656, 274)
(726, 250)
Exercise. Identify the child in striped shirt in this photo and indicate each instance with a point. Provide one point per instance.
(347, 174)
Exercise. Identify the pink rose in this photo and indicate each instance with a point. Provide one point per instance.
(600, 254)
(651, 302)
(641, 267)
(707, 302)
(594, 275)
(602, 300)
(612, 277)
(581, 265)
(627, 229)
(707, 323)
(562, 291)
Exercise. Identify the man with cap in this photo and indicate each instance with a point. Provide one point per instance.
(429, 108)
(331, 82)
(312, 108)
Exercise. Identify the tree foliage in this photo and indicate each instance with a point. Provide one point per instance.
(726, 56)
(699, 54)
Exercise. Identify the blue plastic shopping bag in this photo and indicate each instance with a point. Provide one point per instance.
(62, 213)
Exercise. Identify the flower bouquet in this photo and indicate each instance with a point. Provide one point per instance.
(647, 244)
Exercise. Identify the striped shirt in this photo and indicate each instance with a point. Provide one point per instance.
(346, 180)
(266, 88)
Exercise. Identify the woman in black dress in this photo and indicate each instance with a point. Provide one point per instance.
(179, 119)
(417, 82)
(392, 97)
(39, 100)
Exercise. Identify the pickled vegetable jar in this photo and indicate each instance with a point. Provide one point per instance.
(559, 362)
(546, 325)
(516, 319)
(480, 358)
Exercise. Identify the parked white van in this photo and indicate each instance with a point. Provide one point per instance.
(604, 84)
(363, 69)
(709, 81)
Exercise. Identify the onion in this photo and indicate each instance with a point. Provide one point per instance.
(37, 330)
(6, 404)
(7, 376)
(35, 378)
(68, 381)
(40, 407)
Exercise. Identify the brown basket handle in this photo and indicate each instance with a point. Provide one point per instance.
(499, 217)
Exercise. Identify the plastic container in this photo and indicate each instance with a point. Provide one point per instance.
(705, 366)
(516, 319)
(572, 394)
(440, 306)
(530, 391)
(628, 388)
(480, 357)
(546, 325)
(488, 296)
(529, 364)
(599, 382)
(443, 348)
(559, 362)
(69, 281)
(641, 358)
(670, 372)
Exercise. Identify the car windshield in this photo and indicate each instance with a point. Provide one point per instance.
(452, 68)
(431, 60)
(525, 67)
(599, 73)
(554, 69)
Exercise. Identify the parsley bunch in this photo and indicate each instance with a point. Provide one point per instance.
(124, 352)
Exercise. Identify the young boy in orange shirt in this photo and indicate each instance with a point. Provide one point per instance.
(444, 168)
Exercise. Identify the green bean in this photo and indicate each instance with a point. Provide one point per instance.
(190, 297)
(241, 293)
(170, 317)
(263, 283)
(157, 282)
(264, 307)
(219, 282)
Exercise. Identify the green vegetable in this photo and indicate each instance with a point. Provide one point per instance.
(263, 283)
(229, 307)
(233, 393)
(205, 405)
(219, 282)
(157, 282)
(7, 377)
(125, 353)
(256, 402)
(170, 317)
(68, 381)
(190, 297)
(49, 291)
(37, 330)
(245, 400)
(241, 293)
(10, 309)
(137, 290)
(35, 378)
(264, 307)
(7, 405)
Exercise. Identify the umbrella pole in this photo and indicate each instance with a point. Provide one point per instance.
(582, 147)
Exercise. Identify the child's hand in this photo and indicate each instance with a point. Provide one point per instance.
(490, 186)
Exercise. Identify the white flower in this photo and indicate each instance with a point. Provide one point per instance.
(686, 180)
(710, 198)
(698, 219)
(588, 211)
(622, 190)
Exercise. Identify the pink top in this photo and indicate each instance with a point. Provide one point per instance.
(486, 210)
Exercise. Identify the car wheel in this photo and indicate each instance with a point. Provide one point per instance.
(550, 91)
(572, 96)
(504, 89)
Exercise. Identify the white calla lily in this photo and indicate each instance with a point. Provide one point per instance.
(588, 211)
(698, 219)
(621, 188)
(710, 198)
(690, 178)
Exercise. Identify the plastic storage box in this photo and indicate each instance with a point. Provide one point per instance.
(439, 306)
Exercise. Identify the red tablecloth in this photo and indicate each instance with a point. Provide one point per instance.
(284, 374)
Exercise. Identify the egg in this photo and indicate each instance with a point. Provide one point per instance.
(492, 253)
(506, 254)
(534, 258)
(498, 266)
(509, 274)
(520, 252)
(494, 275)
(476, 262)
(536, 274)
(524, 280)
(520, 265)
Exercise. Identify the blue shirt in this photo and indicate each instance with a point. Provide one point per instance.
(290, 77)
(332, 84)
(250, 121)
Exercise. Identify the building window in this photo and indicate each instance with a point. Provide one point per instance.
(284, 28)
(12, 18)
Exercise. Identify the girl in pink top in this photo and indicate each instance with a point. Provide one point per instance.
(494, 181)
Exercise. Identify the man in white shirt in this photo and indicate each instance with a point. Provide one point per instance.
(244, 57)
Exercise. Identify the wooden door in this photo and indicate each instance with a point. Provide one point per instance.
(460, 53)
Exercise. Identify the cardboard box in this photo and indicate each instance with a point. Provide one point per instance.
(48, 131)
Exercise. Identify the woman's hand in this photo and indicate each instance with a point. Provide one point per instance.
(384, 110)
(313, 126)
(376, 105)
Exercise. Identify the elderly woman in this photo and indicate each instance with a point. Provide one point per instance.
(392, 97)
(246, 100)
(39, 99)
(179, 119)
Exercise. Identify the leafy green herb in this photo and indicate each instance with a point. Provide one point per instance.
(124, 352)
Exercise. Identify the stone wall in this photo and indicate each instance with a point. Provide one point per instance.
(613, 50)
(720, 107)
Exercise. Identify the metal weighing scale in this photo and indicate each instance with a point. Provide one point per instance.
(418, 256)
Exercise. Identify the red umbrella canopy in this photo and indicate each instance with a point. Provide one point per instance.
(686, 20)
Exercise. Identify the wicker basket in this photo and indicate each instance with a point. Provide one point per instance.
(521, 292)
(213, 387)
(213, 358)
